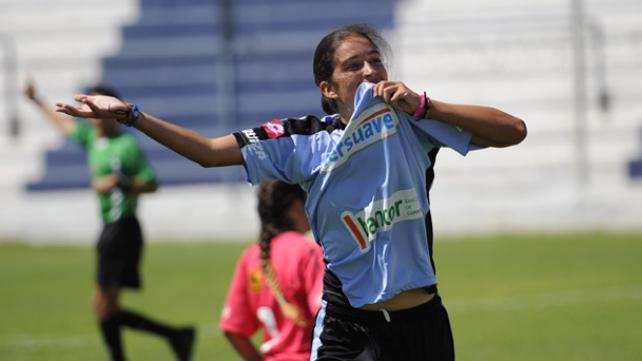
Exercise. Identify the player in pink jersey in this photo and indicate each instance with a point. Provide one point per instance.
(277, 284)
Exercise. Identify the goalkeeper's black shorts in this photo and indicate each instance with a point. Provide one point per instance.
(421, 333)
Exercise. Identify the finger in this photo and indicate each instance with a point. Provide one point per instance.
(71, 110)
(77, 111)
(377, 89)
(62, 110)
(65, 108)
(388, 93)
(89, 102)
(380, 86)
(81, 109)
(399, 95)
(79, 97)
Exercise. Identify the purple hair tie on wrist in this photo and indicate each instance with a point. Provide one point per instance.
(421, 107)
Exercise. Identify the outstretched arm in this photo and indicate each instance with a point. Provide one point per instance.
(65, 124)
(208, 152)
(489, 126)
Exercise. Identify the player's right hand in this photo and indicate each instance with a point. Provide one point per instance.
(95, 106)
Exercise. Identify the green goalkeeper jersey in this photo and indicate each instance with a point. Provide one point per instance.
(118, 155)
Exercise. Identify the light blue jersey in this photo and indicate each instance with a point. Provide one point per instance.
(367, 189)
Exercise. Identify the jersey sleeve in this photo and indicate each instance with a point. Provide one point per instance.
(81, 133)
(444, 135)
(312, 270)
(288, 150)
(238, 316)
(140, 167)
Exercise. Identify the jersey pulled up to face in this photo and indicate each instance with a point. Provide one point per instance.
(367, 189)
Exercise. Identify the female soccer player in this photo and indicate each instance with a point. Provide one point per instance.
(120, 174)
(367, 168)
(278, 282)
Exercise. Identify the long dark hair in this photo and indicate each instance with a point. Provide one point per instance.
(323, 65)
(103, 89)
(275, 200)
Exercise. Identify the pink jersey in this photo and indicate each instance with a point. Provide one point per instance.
(250, 304)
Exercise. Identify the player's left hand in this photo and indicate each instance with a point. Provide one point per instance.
(30, 90)
(398, 95)
(95, 106)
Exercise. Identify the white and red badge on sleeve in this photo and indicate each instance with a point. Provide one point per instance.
(274, 128)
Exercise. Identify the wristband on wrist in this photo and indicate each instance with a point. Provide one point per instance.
(421, 107)
(131, 115)
(428, 107)
(134, 114)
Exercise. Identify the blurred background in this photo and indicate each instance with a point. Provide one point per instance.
(572, 69)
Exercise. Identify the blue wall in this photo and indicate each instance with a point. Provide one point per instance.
(216, 66)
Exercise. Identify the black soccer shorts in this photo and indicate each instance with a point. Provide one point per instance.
(119, 250)
(419, 333)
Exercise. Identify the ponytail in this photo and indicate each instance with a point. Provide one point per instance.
(275, 199)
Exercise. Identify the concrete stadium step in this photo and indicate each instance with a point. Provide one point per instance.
(195, 45)
(344, 11)
(168, 91)
(205, 13)
(21, 158)
(282, 102)
(635, 168)
(79, 48)
(171, 169)
(204, 70)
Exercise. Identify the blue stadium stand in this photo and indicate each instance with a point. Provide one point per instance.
(635, 165)
(635, 168)
(172, 61)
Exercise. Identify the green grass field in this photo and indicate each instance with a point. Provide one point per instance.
(549, 297)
